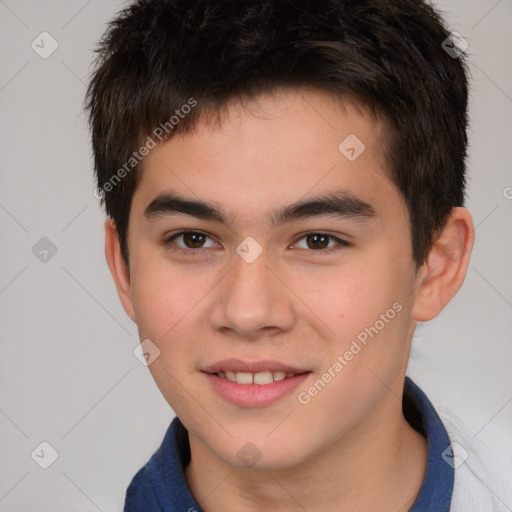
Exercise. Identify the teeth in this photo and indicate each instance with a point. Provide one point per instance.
(231, 376)
(244, 378)
(280, 375)
(263, 378)
(260, 378)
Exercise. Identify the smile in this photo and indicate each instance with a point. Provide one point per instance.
(260, 378)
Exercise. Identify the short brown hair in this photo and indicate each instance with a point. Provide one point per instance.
(157, 56)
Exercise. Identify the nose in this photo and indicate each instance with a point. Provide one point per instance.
(253, 300)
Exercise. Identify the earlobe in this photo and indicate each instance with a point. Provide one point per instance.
(444, 270)
(118, 267)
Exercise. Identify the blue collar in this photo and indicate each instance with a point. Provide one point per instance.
(160, 485)
(437, 488)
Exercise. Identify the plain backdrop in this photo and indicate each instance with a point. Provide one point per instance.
(68, 373)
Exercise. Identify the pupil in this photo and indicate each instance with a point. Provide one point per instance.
(193, 239)
(322, 239)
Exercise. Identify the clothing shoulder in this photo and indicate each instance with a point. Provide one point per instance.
(140, 495)
(160, 485)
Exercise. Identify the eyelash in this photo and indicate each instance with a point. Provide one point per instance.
(193, 252)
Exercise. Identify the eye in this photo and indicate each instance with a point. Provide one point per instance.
(191, 241)
(319, 242)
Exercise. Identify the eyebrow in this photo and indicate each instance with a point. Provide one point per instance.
(340, 204)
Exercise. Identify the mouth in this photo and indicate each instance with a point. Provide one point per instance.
(254, 384)
(261, 372)
(260, 378)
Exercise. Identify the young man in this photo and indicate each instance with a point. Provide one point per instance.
(284, 182)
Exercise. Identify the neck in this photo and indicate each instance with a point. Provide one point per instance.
(379, 465)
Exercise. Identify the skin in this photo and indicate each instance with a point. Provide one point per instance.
(349, 448)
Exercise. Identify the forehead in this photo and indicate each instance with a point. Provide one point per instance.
(259, 154)
(298, 114)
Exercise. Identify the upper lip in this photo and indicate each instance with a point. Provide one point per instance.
(237, 365)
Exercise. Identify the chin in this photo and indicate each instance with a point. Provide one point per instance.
(260, 454)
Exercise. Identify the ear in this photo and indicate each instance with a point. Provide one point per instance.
(443, 272)
(118, 267)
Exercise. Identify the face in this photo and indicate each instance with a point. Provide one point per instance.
(283, 314)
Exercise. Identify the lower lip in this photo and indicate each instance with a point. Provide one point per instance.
(255, 395)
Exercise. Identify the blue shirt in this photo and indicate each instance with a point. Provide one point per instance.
(160, 485)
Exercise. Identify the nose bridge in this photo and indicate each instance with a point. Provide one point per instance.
(251, 298)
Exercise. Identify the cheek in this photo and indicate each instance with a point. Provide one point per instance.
(165, 301)
(163, 296)
(345, 299)
(170, 303)
(366, 309)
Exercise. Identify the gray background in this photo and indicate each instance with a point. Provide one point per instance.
(68, 373)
